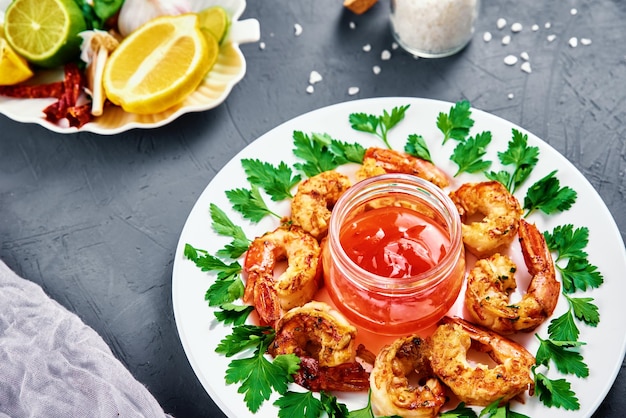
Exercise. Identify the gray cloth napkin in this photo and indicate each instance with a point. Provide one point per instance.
(53, 365)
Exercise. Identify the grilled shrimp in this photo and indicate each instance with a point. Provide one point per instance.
(396, 366)
(314, 199)
(491, 281)
(479, 384)
(501, 214)
(381, 160)
(272, 296)
(324, 341)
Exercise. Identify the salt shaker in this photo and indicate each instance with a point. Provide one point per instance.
(433, 28)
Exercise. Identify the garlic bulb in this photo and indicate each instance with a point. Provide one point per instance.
(135, 13)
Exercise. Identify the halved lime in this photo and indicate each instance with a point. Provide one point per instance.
(44, 31)
(215, 21)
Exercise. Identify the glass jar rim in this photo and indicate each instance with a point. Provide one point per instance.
(409, 183)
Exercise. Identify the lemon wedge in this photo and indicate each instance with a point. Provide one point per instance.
(13, 68)
(158, 65)
(214, 21)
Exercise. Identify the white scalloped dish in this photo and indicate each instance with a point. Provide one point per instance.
(229, 69)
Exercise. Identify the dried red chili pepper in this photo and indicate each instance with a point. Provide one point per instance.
(39, 91)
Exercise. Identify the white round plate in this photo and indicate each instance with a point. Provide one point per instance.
(200, 333)
(229, 69)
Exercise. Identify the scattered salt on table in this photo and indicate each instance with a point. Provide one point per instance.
(297, 29)
(516, 27)
(261, 45)
(510, 60)
(551, 37)
(501, 23)
(585, 41)
(510, 96)
(534, 28)
(367, 48)
(315, 77)
(385, 55)
(548, 25)
(573, 12)
(376, 69)
(526, 67)
(573, 42)
(353, 90)
(310, 89)
(352, 25)
(487, 36)
(524, 56)
(506, 40)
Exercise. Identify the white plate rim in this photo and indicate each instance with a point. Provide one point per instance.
(196, 231)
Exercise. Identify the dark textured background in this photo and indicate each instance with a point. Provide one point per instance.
(95, 220)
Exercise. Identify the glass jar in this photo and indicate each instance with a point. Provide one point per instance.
(393, 304)
(433, 28)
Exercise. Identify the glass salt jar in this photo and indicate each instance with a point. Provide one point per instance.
(394, 259)
(433, 28)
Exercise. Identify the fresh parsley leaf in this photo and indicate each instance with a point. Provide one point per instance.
(567, 241)
(579, 274)
(224, 226)
(332, 407)
(416, 146)
(461, 411)
(299, 404)
(468, 155)
(563, 355)
(224, 290)
(378, 125)
(494, 410)
(249, 203)
(277, 181)
(346, 153)
(232, 314)
(548, 196)
(501, 176)
(522, 157)
(457, 123)
(563, 328)
(584, 310)
(259, 377)
(555, 393)
(314, 152)
(207, 262)
(243, 337)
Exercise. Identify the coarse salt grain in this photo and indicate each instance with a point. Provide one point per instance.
(516, 27)
(376, 69)
(315, 77)
(524, 56)
(261, 45)
(551, 37)
(526, 67)
(573, 12)
(501, 23)
(385, 55)
(585, 41)
(367, 47)
(394, 45)
(506, 40)
(353, 90)
(534, 27)
(548, 25)
(510, 60)
(510, 96)
(297, 28)
(445, 25)
(310, 89)
(573, 42)
(487, 36)
(352, 25)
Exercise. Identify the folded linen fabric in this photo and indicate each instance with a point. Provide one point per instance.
(54, 365)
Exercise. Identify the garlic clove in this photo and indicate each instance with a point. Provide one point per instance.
(96, 47)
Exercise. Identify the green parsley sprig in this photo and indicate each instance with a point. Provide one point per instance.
(548, 196)
(322, 153)
(522, 157)
(378, 125)
(222, 225)
(307, 405)
(417, 147)
(277, 181)
(468, 155)
(250, 203)
(456, 124)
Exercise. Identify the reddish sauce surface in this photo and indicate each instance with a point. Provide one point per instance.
(395, 242)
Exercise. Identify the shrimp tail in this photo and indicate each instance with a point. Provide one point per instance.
(540, 264)
(346, 377)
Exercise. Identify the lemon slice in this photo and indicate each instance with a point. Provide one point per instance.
(158, 65)
(13, 68)
(44, 31)
(215, 22)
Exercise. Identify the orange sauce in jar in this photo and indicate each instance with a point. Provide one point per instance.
(394, 260)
